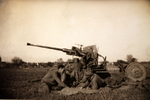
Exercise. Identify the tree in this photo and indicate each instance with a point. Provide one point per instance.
(130, 59)
(17, 61)
(50, 64)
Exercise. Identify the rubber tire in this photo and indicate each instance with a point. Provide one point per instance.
(135, 72)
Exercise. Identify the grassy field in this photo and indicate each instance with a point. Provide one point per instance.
(14, 85)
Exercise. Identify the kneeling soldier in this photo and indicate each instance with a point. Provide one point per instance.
(91, 80)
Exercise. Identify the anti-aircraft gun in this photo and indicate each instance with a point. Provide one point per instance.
(128, 72)
(89, 54)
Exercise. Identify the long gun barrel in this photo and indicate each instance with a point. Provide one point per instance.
(59, 49)
(67, 51)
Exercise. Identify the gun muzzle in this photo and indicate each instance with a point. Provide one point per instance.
(28, 43)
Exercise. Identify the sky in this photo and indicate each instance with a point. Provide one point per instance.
(116, 27)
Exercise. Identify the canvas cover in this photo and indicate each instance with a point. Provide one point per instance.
(71, 91)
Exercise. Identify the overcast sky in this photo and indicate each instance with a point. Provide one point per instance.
(117, 27)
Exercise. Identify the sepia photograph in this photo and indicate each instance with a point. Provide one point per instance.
(75, 49)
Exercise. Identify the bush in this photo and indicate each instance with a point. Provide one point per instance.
(17, 61)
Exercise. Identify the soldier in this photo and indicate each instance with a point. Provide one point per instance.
(77, 71)
(91, 80)
(54, 78)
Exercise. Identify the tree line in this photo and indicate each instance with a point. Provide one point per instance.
(17, 62)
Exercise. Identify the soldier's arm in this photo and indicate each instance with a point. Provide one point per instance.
(55, 76)
(63, 77)
(84, 79)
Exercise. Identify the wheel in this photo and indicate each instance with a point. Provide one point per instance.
(135, 72)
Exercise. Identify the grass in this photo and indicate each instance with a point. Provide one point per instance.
(14, 85)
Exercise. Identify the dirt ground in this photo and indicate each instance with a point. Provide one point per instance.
(14, 85)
